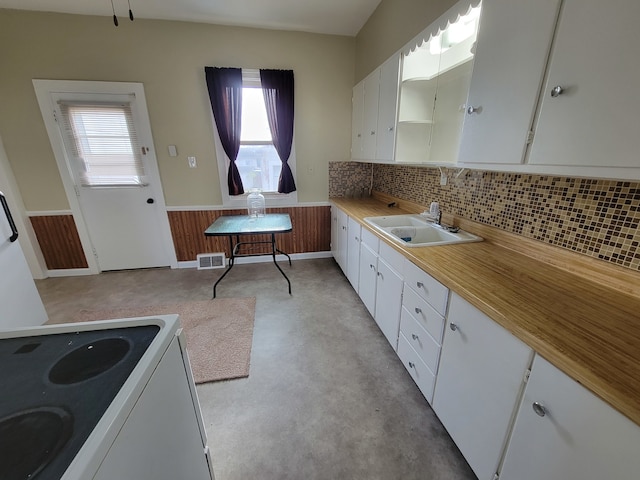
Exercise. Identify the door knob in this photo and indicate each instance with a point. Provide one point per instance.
(150, 201)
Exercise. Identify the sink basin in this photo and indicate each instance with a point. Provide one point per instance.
(397, 221)
(414, 231)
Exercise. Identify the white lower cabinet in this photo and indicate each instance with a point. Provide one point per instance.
(564, 432)
(480, 381)
(389, 293)
(421, 374)
(368, 273)
(339, 237)
(421, 326)
(353, 252)
(380, 284)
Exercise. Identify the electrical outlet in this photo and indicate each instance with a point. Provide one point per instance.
(443, 178)
(192, 162)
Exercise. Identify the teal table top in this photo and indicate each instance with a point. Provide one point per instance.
(244, 224)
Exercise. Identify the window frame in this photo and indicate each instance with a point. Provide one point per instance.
(250, 79)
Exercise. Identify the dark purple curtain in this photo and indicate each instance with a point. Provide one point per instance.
(225, 94)
(277, 87)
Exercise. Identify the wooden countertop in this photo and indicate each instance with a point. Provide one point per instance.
(587, 329)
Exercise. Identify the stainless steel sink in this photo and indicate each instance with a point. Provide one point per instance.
(415, 231)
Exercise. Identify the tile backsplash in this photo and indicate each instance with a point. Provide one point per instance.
(594, 217)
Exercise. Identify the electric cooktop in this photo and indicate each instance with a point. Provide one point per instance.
(55, 388)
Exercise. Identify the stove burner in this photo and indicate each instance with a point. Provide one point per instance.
(30, 439)
(89, 361)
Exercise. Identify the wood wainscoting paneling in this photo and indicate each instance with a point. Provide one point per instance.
(59, 241)
(311, 231)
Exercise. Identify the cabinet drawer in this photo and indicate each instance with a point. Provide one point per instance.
(424, 378)
(426, 286)
(422, 312)
(423, 343)
(370, 239)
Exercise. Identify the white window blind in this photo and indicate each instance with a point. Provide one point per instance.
(102, 142)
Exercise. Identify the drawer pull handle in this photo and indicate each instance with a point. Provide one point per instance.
(418, 310)
(539, 409)
(414, 336)
(453, 326)
(420, 284)
(412, 365)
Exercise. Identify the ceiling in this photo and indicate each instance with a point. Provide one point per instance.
(335, 17)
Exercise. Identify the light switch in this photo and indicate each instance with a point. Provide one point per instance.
(192, 162)
(173, 151)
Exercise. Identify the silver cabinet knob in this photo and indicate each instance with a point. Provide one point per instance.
(390, 129)
(418, 310)
(373, 132)
(420, 284)
(414, 336)
(557, 91)
(359, 135)
(453, 326)
(539, 409)
(412, 365)
(371, 266)
(471, 109)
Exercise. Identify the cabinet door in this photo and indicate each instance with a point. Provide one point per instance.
(353, 252)
(512, 48)
(479, 383)
(576, 436)
(357, 119)
(594, 121)
(339, 238)
(370, 115)
(368, 277)
(387, 109)
(388, 302)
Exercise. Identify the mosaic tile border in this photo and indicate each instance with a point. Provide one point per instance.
(594, 217)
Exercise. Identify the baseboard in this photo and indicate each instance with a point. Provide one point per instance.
(70, 272)
(265, 258)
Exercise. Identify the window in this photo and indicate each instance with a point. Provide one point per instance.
(103, 144)
(257, 160)
(263, 161)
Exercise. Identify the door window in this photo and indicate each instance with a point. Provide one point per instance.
(102, 143)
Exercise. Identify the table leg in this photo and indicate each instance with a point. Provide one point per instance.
(231, 263)
(274, 250)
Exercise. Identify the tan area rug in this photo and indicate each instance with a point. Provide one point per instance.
(219, 333)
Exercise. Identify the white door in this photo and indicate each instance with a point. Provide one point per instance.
(101, 136)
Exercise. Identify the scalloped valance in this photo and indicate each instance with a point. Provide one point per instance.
(463, 7)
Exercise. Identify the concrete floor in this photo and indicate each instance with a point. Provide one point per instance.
(326, 398)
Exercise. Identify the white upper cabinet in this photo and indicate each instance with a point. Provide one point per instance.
(357, 120)
(436, 70)
(553, 89)
(370, 115)
(590, 102)
(375, 104)
(387, 109)
(511, 53)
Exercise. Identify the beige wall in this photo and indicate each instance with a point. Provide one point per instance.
(169, 59)
(391, 26)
